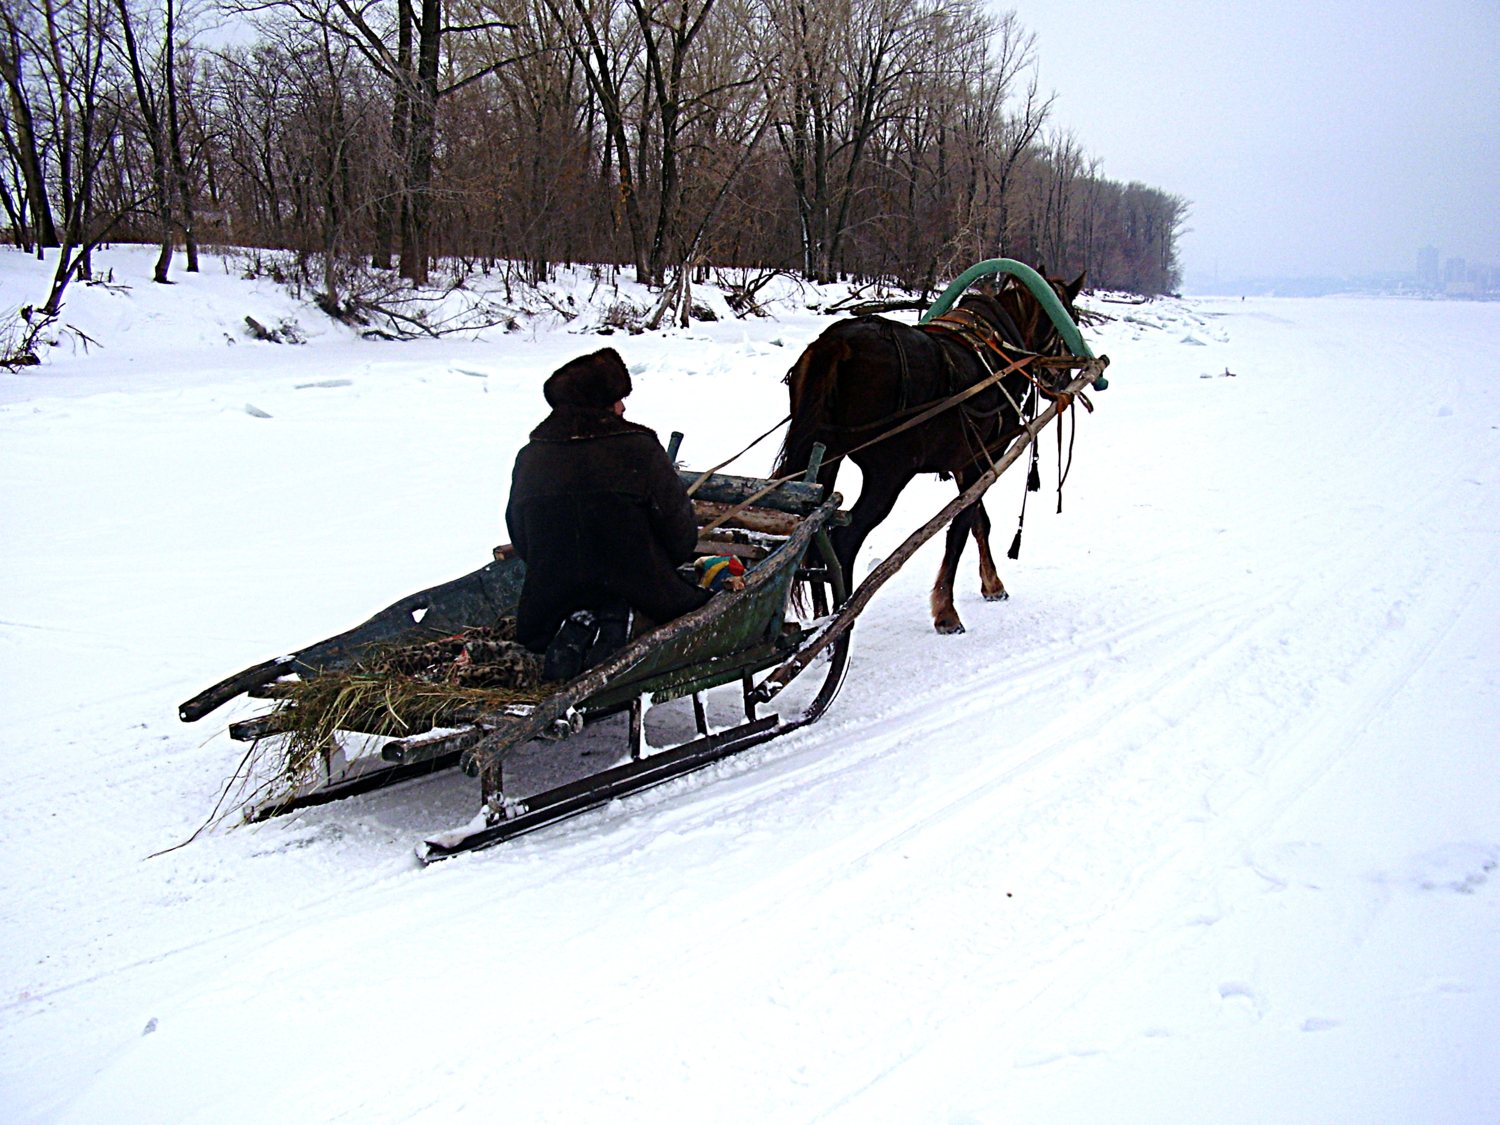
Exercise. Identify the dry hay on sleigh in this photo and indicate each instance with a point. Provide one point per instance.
(394, 693)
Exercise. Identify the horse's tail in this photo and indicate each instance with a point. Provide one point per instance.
(810, 384)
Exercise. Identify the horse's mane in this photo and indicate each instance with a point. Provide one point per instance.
(989, 308)
(1037, 330)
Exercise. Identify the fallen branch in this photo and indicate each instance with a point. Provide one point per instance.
(874, 308)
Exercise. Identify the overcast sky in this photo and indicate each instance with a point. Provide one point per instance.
(1311, 138)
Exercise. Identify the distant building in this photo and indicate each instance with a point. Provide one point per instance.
(1456, 280)
(1428, 276)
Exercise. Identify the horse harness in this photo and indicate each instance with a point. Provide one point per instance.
(980, 337)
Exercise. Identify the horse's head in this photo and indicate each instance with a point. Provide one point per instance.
(1038, 333)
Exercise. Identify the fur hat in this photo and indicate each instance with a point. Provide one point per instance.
(598, 380)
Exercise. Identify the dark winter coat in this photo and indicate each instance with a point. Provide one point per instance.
(599, 515)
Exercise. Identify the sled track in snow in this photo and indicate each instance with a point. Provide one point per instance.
(962, 817)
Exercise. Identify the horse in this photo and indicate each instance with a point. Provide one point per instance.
(863, 376)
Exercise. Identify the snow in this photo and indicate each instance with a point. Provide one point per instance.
(1201, 825)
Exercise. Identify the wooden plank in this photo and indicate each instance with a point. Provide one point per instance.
(249, 730)
(379, 776)
(751, 519)
(225, 690)
(408, 751)
(696, 677)
(276, 689)
(739, 550)
(479, 598)
(797, 497)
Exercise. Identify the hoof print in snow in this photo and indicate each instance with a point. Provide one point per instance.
(1241, 998)
(1460, 868)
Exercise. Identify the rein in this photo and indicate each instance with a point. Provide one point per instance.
(692, 488)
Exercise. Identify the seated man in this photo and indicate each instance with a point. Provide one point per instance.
(601, 518)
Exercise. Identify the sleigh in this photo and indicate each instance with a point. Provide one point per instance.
(782, 538)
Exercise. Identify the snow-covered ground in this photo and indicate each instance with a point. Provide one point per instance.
(1201, 826)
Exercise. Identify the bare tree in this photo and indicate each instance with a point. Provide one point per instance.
(884, 140)
(20, 134)
(170, 52)
(143, 80)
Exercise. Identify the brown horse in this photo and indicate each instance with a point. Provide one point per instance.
(863, 377)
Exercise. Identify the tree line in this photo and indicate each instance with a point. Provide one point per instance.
(898, 140)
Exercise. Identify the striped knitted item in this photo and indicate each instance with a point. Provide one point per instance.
(713, 570)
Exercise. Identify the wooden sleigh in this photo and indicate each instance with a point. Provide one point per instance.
(782, 536)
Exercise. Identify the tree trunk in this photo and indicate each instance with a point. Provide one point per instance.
(174, 139)
(152, 122)
(416, 245)
(16, 217)
(390, 211)
(25, 140)
(589, 45)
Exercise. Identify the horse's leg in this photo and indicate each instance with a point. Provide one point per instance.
(989, 579)
(944, 616)
(877, 496)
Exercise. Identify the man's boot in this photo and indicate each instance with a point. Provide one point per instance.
(614, 631)
(565, 654)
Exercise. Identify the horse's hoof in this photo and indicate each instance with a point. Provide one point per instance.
(1002, 596)
(948, 628)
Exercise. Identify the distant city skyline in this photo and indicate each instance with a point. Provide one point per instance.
(1312, 140)
(1431, 274)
